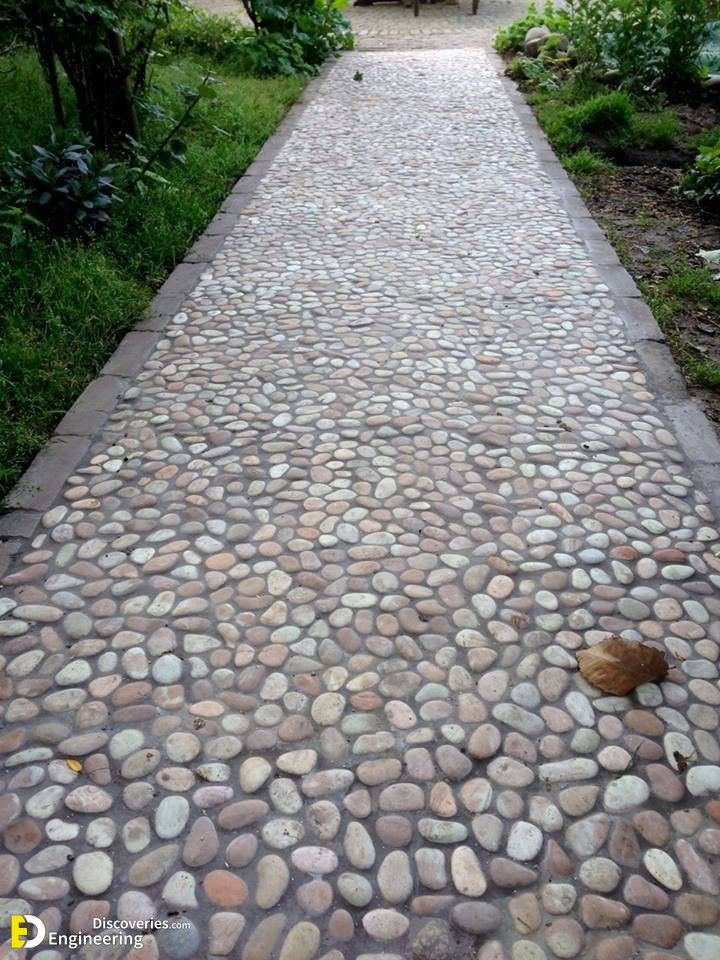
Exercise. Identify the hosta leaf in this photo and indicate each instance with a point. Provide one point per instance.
(618, 666)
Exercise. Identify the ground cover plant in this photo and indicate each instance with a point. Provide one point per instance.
(93, 219)
(625, 93)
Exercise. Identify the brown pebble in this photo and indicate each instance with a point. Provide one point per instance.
(225, 889)
(22, 836)
(657, 928)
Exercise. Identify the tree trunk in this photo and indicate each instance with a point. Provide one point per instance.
(102, 89)
(43, 39)
(49, 67)
(125, 102)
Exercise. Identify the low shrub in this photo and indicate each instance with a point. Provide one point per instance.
(562, 126)
(63, 186)
(641, 45)
(269, 54)
(193, 31)
(626, 37)
(606, 117)
(688, 27)
(317, 25)
(702, 182)
(608, 114)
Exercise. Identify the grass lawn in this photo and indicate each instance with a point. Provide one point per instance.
(65, 306)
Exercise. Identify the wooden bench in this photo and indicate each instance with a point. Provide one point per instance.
(416, 7)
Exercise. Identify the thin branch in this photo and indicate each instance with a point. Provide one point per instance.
(192, 103)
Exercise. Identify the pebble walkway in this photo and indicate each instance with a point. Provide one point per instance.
(307, 615)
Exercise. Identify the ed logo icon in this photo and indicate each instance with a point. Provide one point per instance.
(19, 931)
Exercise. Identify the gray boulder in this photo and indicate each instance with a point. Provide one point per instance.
(534, 39)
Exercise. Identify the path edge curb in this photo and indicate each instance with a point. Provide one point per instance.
(42, 481)
(694, 431)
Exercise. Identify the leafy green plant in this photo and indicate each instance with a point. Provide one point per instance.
(623, 36)
(512, 38)
(702, 182)
(316, 26)
(710, 52)
(266, 54)
(688, 27)
(534, 71)
(64, 187)
(648, 44)
(250, 51)
(172, 145)
(287, 38)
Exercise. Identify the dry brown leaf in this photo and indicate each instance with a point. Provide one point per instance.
(618, 666)
(74, 765)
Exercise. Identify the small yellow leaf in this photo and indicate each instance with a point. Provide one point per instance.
(74, 765)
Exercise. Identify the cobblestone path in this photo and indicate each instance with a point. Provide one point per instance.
(391, 26)
(307, 615)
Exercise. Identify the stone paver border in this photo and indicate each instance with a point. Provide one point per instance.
(38, 487)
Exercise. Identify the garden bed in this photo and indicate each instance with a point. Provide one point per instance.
(657, 235)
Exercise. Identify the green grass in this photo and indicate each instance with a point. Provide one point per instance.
(659, 130)
(706, 373)
(64, 306)
(585, 163)
(686, 287)
(580, 112)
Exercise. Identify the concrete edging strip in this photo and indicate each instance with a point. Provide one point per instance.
(43, 480)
